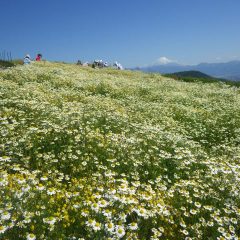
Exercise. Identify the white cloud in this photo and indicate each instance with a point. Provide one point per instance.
(164, 60)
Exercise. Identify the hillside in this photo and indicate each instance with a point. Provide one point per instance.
(191, 74)
(196, 76)
(101, 153)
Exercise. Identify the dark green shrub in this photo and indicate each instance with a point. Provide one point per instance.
(17, 62)
(5, 64)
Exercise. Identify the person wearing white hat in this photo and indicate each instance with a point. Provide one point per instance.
(27, 59)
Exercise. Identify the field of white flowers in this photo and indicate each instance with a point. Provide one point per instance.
(106, 154)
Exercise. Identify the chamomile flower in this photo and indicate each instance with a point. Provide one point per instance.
(107, 213)
(40, 187)
(31, 236)
(103, 203)
(3, 181)
(97, 226)
(197, 204)
(3, 228)
(120, 231)
(95, 207)
(44, 178)
(5, 215)
(110, 227)
(90, 223)
(185, 232)
(141, 212)
(193, 211)
(50, 220)
(133, 226)
(51, 191)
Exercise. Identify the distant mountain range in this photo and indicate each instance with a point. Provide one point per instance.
(228, 70)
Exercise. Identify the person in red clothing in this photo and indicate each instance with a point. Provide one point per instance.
(39, 56)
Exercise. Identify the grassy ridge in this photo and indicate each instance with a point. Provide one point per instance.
(195, 76)
(100, 153)
(192, 74)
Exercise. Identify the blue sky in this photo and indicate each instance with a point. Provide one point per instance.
(133, 32)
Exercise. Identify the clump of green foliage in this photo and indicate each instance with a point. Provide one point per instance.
(13, 63)
(17, 62)
(6, 64)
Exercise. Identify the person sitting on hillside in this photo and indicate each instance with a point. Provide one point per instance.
(39, 56)
(85, 64)
(27, 59)
(105, 64)
(118, 66)
(99, 64)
